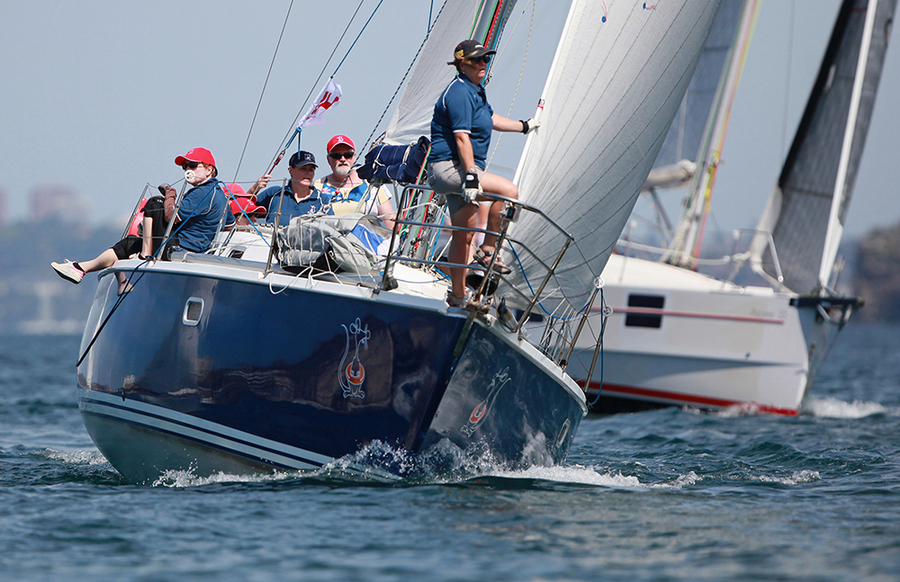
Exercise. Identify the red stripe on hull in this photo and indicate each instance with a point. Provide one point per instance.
(683, 399)
(695, 315)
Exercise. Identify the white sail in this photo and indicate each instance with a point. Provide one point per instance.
(806, 211)
(619, 75)
(412, 117)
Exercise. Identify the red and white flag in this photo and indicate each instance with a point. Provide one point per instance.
(329, 96)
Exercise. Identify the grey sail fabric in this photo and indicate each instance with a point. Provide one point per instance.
(412, 117)
(806, 211)
(690, 124)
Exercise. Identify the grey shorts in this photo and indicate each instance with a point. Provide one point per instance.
(447, 178)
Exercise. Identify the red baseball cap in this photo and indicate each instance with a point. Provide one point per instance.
(202, 155)
(338, 140)
(243, 201)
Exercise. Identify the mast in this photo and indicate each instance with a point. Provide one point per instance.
(835, 229)
(685, 247)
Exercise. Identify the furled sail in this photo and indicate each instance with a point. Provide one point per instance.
(620, 72)
(806, 210)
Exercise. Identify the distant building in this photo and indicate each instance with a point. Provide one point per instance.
(54, 202)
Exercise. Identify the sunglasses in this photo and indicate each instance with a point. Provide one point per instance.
(338, 155)
(486, 59)
(190, 165)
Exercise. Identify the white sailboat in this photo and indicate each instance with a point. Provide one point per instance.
(340, 354)
(678, 337)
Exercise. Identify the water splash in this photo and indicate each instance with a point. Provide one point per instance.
(797, 478)
(834, 408)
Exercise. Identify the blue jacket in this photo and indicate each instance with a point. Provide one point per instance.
(200, 211)
(290, 207)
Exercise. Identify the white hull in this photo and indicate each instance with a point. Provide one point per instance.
(706, 343)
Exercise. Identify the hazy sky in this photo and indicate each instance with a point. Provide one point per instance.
(103, 95)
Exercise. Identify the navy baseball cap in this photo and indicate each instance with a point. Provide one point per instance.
(302, 158)
(470, 49)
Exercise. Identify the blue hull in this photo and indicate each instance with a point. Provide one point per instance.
(195, 372)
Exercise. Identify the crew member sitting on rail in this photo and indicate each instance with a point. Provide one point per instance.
(196, 221)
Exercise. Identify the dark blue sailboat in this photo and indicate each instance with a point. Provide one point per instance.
(241, 359)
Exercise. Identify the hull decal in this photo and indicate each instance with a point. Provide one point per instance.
(352, 374)
(499, 380)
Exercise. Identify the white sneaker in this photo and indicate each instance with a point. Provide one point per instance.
(68, 271)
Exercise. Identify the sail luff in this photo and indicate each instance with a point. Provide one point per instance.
(550, 75)
(835, 229)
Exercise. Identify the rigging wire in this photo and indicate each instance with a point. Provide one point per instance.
(415, 59)
(521, 70)
(289, 134)
(263, 92)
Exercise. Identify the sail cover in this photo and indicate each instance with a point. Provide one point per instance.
(621, 70)
(805, 212)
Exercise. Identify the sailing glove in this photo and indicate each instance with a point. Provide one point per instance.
(530, 125)
(471, 187)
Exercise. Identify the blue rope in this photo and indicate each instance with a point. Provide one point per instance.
(244, 213)
(357, 38)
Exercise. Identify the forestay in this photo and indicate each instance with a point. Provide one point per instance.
(620, 72)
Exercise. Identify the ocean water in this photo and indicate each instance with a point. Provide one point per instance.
(672, 494)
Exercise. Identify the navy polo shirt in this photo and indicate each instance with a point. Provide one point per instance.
(200, 211)
(462, 106)
(290, 207)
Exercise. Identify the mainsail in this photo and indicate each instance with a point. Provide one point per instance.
(457, 20)
(707, 105)
(620, 72)
(806, 210)
(412, 117)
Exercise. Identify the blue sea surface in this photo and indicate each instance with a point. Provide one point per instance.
(672, 494)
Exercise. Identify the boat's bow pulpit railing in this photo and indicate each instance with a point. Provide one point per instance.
(415, 241)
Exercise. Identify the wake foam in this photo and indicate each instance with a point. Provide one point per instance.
(834, 408)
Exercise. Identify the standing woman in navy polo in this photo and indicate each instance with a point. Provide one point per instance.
(460, 135)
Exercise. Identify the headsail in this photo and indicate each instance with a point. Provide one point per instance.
(619, 75)
(806, 211)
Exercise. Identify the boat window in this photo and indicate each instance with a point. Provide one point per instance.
(645, 319)
(193, 310)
